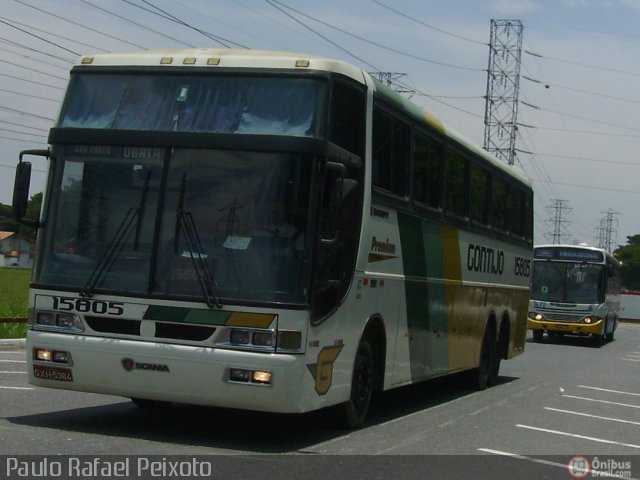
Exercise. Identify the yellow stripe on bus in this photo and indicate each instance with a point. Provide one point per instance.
(254, 320)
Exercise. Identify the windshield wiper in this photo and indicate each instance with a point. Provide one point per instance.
(106, 261)
(187, 227)
(113, 250)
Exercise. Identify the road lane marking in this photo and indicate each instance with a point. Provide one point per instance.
(13, 361)
(12, 371)
(582, 437)
(610, 391)
(592, 416)
(16, 388)
(630, 359)
(603, 401)
(540, 461)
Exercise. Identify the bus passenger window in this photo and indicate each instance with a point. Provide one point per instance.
(390, 154)
(479, 192)
(427, 173)
(499, 199)
(455, 191)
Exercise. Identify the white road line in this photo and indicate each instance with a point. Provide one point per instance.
(630, 359)
(582, 437)
(610, 391)
(537, 460)
(592, 416)
(602, 401)
(16, 388)
(13, 361)
(11, 371)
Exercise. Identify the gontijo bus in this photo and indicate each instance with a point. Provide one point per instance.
(267, 231)
(575, 290)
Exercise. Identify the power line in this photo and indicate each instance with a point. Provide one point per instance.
(54, 34)
(376, 44)
(429, 26)
(209, 35)
(29, 95)
(19, 45)
(273, 4)
(30, 81)
(39, 37)
(26, 113)
(577, 90)
(79, 25)
(25, 126)
(587, 65)
(34, 70)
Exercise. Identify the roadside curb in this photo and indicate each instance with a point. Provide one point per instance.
(12, 343)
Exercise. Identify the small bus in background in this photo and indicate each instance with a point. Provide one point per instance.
(574, 290)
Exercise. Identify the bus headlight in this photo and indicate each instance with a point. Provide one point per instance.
(590, 320)
(536, 316)
(67, 322)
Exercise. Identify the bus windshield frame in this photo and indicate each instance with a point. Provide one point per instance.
(568, 282)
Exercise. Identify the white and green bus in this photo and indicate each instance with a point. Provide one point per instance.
(266, 231)
(575, 289)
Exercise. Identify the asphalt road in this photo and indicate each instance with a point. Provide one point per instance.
(562, 398)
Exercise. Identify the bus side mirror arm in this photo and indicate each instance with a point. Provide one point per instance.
(21, 188)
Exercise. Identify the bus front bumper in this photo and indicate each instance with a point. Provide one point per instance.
(566, 327)
(169, 372)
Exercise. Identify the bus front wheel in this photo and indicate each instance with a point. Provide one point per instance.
(355, 410)
(537, 335)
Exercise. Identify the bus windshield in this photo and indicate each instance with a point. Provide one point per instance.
(131, 220)
(568, 282)
(194, 103)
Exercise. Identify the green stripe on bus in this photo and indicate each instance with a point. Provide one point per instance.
(425, 296)
(186, 315)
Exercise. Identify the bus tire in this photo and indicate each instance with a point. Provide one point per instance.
(354, 411)
(537, 335)
(488, 356)
(609, 336)
(147, 404)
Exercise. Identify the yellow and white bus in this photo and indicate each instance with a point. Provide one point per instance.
(267, 231)
(575, 289)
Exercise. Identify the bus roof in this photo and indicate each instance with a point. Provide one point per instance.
(248, 58)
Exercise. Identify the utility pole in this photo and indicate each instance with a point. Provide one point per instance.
(503, 86)
(558, 222)
(607, 229)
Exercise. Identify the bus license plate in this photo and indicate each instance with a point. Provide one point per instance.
(53, 373)
(562, 327)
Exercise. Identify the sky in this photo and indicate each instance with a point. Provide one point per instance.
(578, 111)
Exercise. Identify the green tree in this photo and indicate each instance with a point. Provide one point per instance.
(9, 224)
(629, 255)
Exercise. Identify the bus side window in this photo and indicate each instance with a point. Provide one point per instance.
(499, 200)
(427, 173)
(391, 145)
(479, 193)
(455, 184)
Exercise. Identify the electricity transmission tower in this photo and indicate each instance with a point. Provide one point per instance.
(503, 85)
(559, 223)
(607, 230)
(391, 80)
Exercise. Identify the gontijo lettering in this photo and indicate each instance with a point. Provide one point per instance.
(485, 259)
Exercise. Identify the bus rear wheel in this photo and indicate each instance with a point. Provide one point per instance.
(354, 411)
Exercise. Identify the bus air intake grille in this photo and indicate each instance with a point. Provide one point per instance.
(114, 325)
(175, 331)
